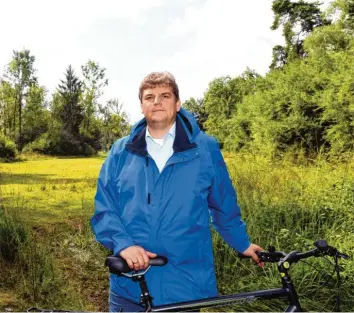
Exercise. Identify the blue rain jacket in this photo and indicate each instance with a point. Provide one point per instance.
(168, 213)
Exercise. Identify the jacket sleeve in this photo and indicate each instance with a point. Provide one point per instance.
(106, 222)
(224, 210)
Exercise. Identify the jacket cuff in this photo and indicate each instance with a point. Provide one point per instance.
(244, 245)
(121, 245)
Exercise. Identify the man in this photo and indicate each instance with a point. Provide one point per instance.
(156, 192)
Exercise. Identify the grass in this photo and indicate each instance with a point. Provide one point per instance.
(52, 189)
(290, 206)
(59, 264)
(54, 198)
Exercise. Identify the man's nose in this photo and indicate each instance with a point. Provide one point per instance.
(157, 99)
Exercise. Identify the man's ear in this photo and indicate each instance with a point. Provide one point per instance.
(141, 108)
(178, 105)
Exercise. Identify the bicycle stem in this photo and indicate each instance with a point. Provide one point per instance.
(283, 267)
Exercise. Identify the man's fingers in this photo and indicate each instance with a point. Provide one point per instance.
(146, 259)
(137, 257)
(256, 259)
(130, 263)
(151, 254)
(141, 262)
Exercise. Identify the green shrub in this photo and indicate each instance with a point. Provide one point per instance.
(61, 143)
(7, 148)
(39, 145)
(64, 143)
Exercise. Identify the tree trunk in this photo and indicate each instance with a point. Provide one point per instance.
(20, 118)
(14, 118)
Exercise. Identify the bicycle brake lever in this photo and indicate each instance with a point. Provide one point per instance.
(342, 255)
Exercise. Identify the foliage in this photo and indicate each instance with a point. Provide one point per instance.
(298, 19)
(114, 123)
(21, 74)
(222, 98)
(62, 143)
(94, 81)
(306, 108)
(71, 113)
(197, 107)
(72, 123)
(35, 115)
(7, 109)
(8, 149)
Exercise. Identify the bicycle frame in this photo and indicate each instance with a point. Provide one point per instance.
(229, 300)
(288, 291)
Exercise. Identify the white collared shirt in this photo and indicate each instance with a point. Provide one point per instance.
(161, 149)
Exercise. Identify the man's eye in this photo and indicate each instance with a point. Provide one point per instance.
(166, 96)
(148, 97)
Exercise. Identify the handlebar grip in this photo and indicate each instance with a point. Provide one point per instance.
(260, 254)
(324, 247)
(264, 256)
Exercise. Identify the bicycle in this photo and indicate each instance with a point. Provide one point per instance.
(117, 265)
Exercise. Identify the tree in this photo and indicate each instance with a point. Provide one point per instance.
(222, 98)
(298, 20)
(198, 109)
(94, 81)
(71, 113)
(345, 10)
(7, 106)
(35, 114)
(305, 109)
(20, 72)
(114, 123)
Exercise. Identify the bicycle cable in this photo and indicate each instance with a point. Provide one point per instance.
(336, 307)
(323, 284)
(336, 270)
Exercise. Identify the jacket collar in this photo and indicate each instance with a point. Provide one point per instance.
(180, 144)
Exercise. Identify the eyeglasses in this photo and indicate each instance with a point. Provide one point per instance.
(163, 97)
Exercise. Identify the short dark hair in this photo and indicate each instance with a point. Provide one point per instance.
(155, 79)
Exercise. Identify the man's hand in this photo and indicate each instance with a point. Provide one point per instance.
(137, 257)
(251, 252)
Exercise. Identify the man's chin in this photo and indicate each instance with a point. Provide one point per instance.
(158, 120)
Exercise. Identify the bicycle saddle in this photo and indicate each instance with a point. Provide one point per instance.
(117, 265)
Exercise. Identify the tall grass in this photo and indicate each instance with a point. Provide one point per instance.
(291, 206)
(56, 262)
(28, 268)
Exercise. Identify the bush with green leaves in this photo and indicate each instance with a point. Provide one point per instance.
(7, 148)
(61, 143)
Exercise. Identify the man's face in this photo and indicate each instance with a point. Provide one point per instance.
(159, 105)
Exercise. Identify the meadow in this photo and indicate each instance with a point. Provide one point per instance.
(50, 259)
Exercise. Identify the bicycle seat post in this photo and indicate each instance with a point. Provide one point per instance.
(145, 297)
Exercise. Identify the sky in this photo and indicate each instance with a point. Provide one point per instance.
(196, 40)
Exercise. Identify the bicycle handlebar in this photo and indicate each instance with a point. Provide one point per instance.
(322, 249)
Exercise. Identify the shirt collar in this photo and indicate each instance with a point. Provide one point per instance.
(171, 132)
